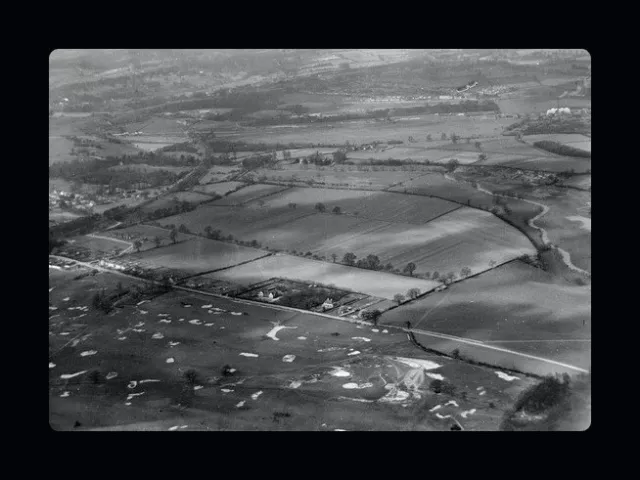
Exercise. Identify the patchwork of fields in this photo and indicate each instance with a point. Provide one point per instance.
(218, 174)
(172, 199)
(377, 284)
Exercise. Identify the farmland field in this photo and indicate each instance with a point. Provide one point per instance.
(376, 284)
(217, 188)
(218, 173)
(97, 244)
(342, 176)
(573, 140)
(142, 167)
(249, 193)
(142, 232)
(436, 184)
(243, 223)
(516, 304)
(195, 255)
(169, 200)
(388, 207)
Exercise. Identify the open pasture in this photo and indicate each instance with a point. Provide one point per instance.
(367, 131)
(196, 255)
(516, 304)
(244, 223)
(388, 207)
(143, 167)
(145, 233)
(377, 284)
(97, 245)
(249, 193)
(574, 140)
(462, 238)
(221, 188)
(436, 184)
(544, 163)
(345, 176)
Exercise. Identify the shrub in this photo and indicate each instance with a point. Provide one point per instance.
(191, 376)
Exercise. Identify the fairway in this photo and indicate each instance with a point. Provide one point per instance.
(376, 284)
(196, 255)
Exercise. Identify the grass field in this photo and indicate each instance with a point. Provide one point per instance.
(249, 193)
(142, 167)
(341, 176)
(388, 207)
(97, 245)
(306, 389)
(171, 199)
(516, 306)
(436, 184)
(218, 188)
(243, 223)
(195, 255)
(218, 173)
(142, 232)
(376, 284)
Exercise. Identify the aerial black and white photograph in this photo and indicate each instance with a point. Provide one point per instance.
(319, 240)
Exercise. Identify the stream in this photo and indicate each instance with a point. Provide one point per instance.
(566, 257)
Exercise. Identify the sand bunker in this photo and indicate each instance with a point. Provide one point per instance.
(139, 324)
(198, 387)
(385, 331)
(127, 404)
(361, 400)
(53, 308)
(195, 322)
(375, 330)
(256, 395)
(240, 404)
(51, 289)
(164, 315)
(394, 395)
(226, 390)
(355, 352)
(585, 223)
(139, 330)
(339, 430)
(143, 312)
(52, 365)
(442, 417)
(352, 386)
(64, 394)
(122, 338)
(437, 407)
(288, 358)
(302, 338)
(111, 375)
(339, 372)
(65, 333)
(142, 301)
(482, 392)
(131, 395)
(132, 384)
(435, 376)
(452, 402)
(208, 324)
(207, 306)
(170, 360)
(508, 378)
(276, 329)
(181, 319)
(417, 363)
(88, 353)
(66, 376)
(66, 299)
(248, 354)
(157, 336)
(149, 380)
(173, 344)
(164, 321)
(467, 412)
(364, 339)
(294, 384)
(236, 313)
(331, 349)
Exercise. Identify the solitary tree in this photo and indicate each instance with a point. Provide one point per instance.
(465, 272)
(173, 235)
(137, 245)
(183, 228)
(410, 268)
(443, 136)
(454, 138)
(333, 257)
(337, 210)
(492, 263)
(349, 258)
(435, 276)
(429, 137)
(208, 231)
(413, 293)
(398, 298)
(478, 145)
(157, 240)
(482, 157)
(320, 207)
(452, 164)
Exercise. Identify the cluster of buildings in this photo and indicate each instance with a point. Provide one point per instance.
(73, 200)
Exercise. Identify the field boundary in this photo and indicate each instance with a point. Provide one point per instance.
(308, 312)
